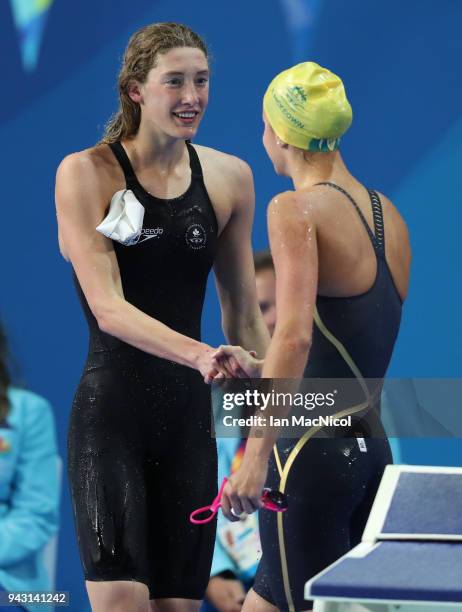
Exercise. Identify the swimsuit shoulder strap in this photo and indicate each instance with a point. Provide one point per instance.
(194, 163)
(125, 163)
(377, 214)
(377, 239)
(130, 176)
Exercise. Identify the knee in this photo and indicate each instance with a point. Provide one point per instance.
(127, 601)
(118, 596)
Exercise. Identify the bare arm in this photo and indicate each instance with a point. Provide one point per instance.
(80, 201)
(293, 243)
(234, 270)
(294, 248)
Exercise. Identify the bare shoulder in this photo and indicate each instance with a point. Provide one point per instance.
(93, 168)
(397, 243)
(290, 218)
(85, 184)
(232, 168)
(392, 214)
(229, 183)
(293, 207)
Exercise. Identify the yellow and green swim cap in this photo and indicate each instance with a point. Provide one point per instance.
(307, 107)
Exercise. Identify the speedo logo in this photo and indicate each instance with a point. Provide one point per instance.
(150, 232)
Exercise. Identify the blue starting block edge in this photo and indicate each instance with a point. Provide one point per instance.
(417, 503)
(401, 572)
(411, 550)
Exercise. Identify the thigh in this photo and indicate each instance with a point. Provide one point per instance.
(256, 603)
(107, 482)
(330, 484)
(183, 479)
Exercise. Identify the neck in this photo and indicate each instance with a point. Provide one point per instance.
(307, 169)
(152, 147)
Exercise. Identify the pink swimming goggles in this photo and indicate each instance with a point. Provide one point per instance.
(272, 500)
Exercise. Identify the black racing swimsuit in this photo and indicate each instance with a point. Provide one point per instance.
(331, 477)
(141, 454)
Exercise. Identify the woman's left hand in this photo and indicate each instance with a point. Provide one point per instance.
(243, 491)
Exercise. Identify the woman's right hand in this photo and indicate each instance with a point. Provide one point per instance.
(207, 366)
(228, 362)
(237, 362)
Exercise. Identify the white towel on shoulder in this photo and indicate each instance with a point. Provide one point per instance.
(124, 220)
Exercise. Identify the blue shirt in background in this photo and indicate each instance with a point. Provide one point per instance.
(29, 493)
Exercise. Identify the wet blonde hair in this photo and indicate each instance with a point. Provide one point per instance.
(139, 57)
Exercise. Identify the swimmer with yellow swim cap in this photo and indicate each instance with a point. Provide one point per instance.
(341, 254)
(307, 108)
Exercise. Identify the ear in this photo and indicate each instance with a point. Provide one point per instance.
(134, 92)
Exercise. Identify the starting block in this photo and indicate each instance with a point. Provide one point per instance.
(410, 557)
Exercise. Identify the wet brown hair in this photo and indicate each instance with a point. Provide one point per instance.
(139, 57)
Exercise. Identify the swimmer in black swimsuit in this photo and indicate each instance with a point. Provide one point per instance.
(141, 454)
(341, 255)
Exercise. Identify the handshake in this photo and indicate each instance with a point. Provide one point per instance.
(229, 362)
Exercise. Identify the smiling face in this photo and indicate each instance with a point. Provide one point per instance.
(174, 96)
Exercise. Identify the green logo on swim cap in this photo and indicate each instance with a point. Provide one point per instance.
(296, 95)
(280, 103)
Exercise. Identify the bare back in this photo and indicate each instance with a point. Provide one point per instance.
(347, 263)
(334, 271)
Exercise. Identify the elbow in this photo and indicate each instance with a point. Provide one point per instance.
(298, 344)
(106, 324)
(295, 343)
(105, 317)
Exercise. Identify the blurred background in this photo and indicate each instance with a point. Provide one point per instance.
(400, 62)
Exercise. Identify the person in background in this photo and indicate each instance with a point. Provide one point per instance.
(237, 546)
(265, 279)
(29, 487)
